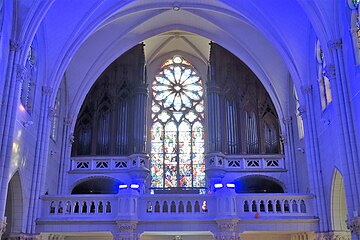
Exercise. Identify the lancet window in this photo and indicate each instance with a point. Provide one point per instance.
(323, 80)
(27, 90)
(177, 131)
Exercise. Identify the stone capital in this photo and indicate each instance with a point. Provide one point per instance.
(21, 73)
(15, 46)
(330, 71)
(302, 112)
(307, 89)
(287, 120)
(68, 120)
(47, 91)
(335, 44)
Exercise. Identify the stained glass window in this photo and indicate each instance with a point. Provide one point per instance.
(177, 132)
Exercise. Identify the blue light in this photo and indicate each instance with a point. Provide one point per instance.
(123, 186)
(218, 185)
(134, 186)
(230, 185)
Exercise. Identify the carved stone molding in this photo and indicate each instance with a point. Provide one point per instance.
(353, 225)
(21, 73)
(330, 71)
(126, 226)
(222, 237)
(47, 91)
(126, 236)
(68, 121)
(22, 236)
(228, 225)
(335, 44)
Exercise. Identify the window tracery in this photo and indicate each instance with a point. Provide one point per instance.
(177, 132)
(55, 119)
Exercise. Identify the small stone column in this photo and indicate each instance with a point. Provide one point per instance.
(126, 231)
(214, 168)
(139, 169)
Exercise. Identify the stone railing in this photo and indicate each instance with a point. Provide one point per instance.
(81, 206)
(170, 206)
(245, 162)
(274, 205)
(108, 163)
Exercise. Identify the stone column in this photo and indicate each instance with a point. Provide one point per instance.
(313, 159)
(126, 231)
(347, 138)
(40, 158)
(66, 144)
(288, 141)
(7, 121)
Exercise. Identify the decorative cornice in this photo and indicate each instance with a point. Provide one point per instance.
(335, 44)
(353, 225)
(47, 91)
(21, 73)
(330, 71)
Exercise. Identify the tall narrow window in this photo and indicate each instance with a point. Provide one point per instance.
(55, 119)
(323, 80)
(177, 132)
(28, 85)
(300, 123)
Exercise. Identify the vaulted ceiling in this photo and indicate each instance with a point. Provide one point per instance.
(274, 40)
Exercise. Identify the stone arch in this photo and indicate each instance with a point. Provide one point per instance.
(258, 184)
(338, 202)
(96, 185)
(14, 206)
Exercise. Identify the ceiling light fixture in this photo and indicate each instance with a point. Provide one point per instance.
(176, 6)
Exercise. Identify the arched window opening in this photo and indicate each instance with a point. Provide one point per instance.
(323, 80)
(177, 132)
(257, 184)
(27, 90)
(55, 119)
(97, 186)
(299, 120)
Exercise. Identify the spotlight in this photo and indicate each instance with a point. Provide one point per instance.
(230, 185)
(218, 185)
(134, 186)
(123, 186)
